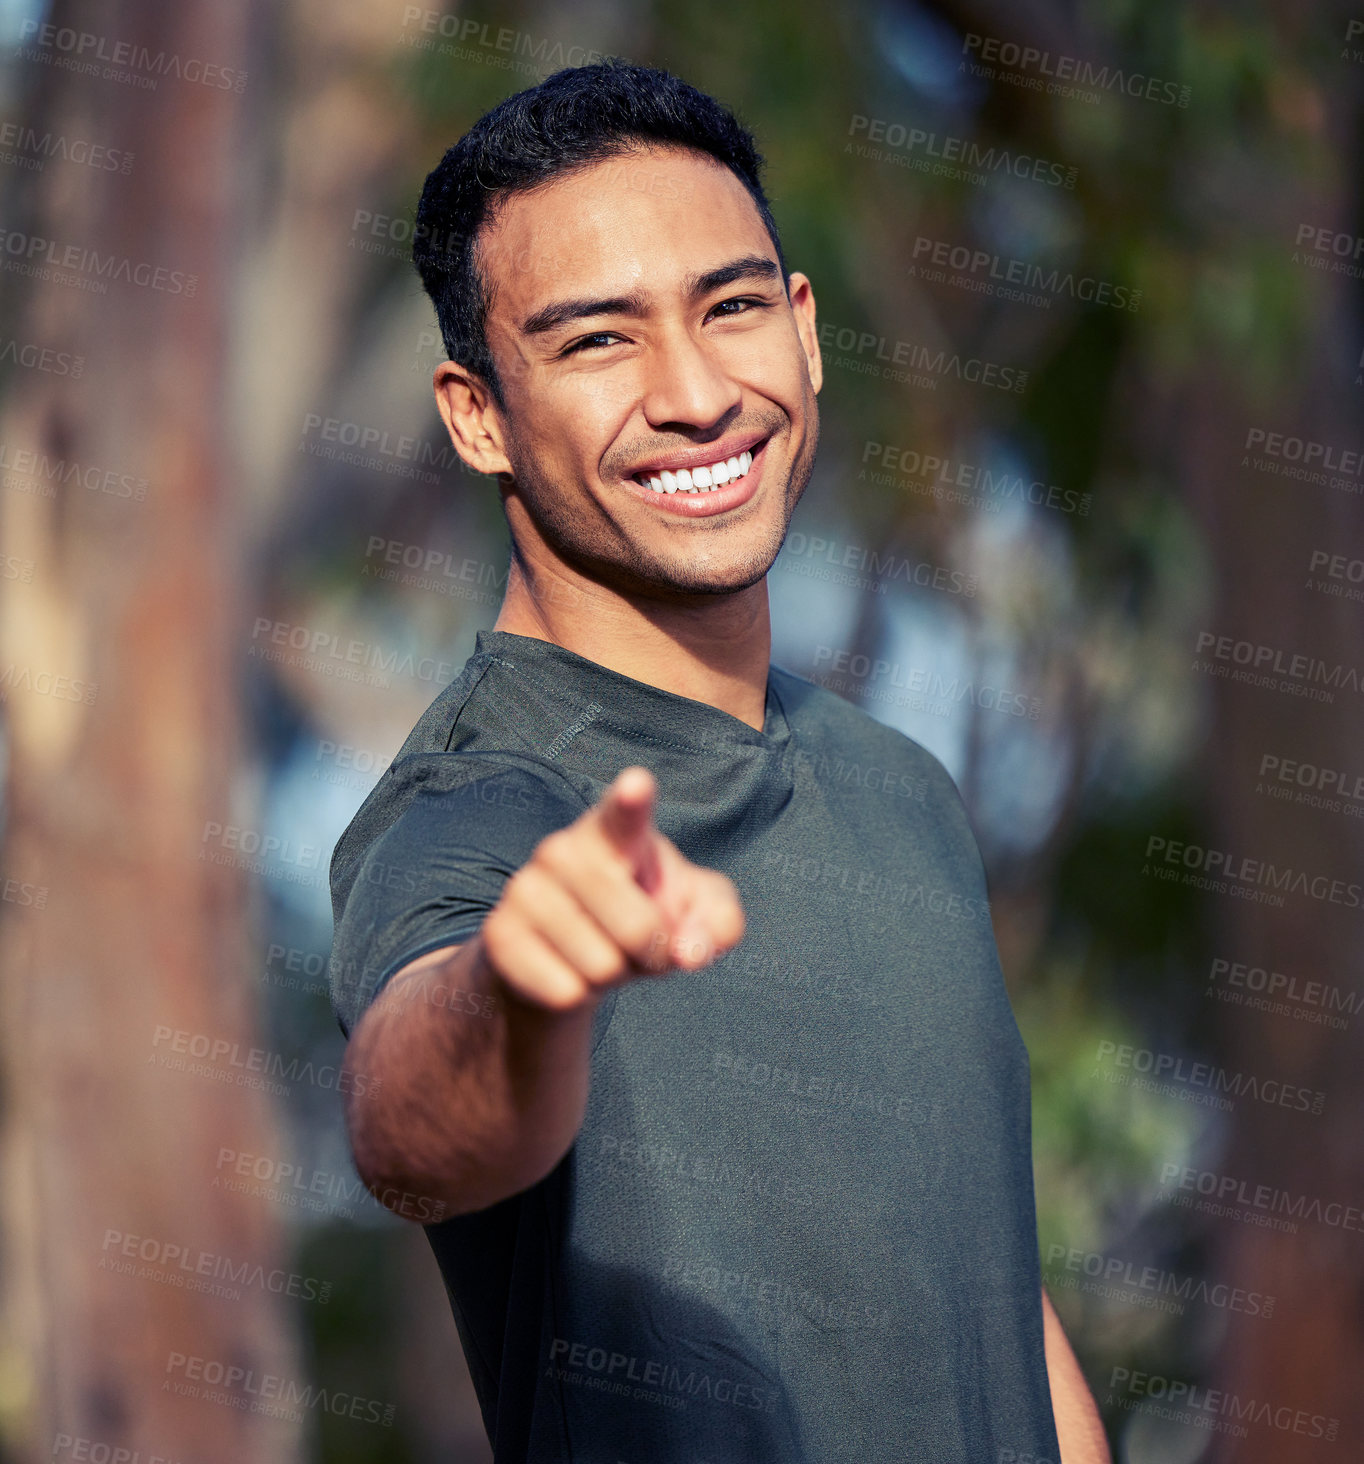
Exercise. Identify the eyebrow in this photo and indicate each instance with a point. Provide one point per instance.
(561, 312)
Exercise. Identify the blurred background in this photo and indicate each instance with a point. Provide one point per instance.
(1086, 522)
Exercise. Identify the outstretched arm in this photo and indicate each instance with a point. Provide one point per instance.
(462, 1112)
(1078, 1429)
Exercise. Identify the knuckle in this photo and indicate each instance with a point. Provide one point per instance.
(495, 937)
(528, 883)
(545, 857)
(605, 965)
(553, 996)
(639, 935)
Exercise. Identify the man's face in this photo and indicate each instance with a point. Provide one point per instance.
(640, 327)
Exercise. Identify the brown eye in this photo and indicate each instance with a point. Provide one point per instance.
(744, 305)
(587, 341)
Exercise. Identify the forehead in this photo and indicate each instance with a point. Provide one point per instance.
(643, 220)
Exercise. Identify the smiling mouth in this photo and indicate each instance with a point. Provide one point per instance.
(702, 478)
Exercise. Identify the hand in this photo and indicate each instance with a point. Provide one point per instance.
(604, 901)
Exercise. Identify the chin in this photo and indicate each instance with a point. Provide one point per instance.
(725, 579)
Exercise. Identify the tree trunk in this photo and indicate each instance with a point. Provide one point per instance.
(119, 651)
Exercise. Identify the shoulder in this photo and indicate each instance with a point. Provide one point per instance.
(843, 740)
(502, 802)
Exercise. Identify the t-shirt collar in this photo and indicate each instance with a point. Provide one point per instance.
(623, 698)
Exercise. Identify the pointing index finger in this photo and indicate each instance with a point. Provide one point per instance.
(626, 812)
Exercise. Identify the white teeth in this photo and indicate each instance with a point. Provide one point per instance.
(701, 479)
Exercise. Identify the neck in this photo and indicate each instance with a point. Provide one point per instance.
(713, 648)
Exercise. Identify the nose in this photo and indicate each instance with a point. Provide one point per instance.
(686, 385)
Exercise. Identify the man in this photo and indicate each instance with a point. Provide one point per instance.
(704, 1052)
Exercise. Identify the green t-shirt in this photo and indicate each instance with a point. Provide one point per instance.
(797, 1225)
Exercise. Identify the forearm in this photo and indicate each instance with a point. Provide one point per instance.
(478, 1094)
(1079, 1430)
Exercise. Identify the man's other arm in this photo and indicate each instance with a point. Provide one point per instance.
(1078, 1429)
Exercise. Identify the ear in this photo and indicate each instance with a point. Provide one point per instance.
(472, 418)
(803, 308)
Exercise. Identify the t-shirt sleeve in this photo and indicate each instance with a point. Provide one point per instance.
(441, 837)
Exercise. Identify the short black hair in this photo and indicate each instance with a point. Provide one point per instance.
(573, 118)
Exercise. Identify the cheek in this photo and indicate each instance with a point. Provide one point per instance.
(562, 430)
(581, 418)
(599, 400)
(770, 364)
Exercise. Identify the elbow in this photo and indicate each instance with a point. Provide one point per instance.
(405, 1189)
(380, 1155)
